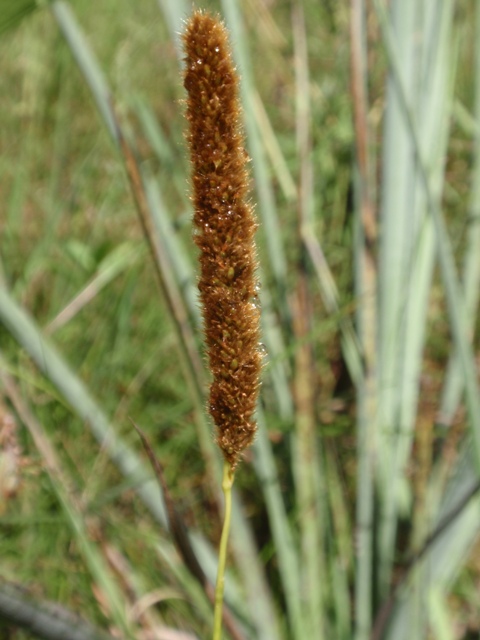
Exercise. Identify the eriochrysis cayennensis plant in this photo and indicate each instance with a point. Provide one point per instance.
(224, 233)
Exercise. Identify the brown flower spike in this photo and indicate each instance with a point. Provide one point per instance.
(224, 232)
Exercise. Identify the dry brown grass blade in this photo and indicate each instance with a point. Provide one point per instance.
(174, 301)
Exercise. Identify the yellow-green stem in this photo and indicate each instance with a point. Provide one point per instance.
(227, 483)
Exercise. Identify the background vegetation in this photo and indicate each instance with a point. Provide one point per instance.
(362, 126)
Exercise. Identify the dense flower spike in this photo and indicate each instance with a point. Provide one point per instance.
(224, 232)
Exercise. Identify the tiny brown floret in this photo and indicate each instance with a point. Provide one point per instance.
(224, 232)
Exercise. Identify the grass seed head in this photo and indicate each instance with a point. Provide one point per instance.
(224, 228)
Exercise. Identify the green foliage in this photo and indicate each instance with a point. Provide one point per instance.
(364, 445)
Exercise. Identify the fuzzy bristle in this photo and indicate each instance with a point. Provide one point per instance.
(224, 232)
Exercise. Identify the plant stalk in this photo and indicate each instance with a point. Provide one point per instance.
(227, 483)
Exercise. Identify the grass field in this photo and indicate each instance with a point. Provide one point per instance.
(356, 511)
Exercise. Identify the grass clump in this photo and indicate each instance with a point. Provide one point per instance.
(350, 517)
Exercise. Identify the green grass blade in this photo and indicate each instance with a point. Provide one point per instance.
(341, 556)
(351, 347)
(440, 621)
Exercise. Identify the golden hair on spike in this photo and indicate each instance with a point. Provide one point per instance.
(224, 232)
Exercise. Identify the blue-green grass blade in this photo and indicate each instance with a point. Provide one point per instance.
(408, 242)
(455, 301)
(366, 292)
(453, 548)
(307, 454)
(288, 559)
(266, 202)
(82, 53)
(440, 621)
(454, 382)
(273, 149)
(447, 555)
(175, 12)
(73, 390)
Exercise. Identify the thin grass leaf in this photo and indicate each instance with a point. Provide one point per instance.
(453, 291)
(288, 560)
(307, 465)
(440, 621)
(54, 367)
(83, 56)
(341, 558)
(454, 384)
(153, 131)
(367, 321)
(267, 208)
(182, 540)
(158, 140)
(277, 366)
(175, 12)
(456, 542)
(272, 147)
(408, 251)
(179, 259)
(351, 347)
(119, 259)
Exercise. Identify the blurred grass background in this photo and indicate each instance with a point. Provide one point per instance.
(353, 487)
